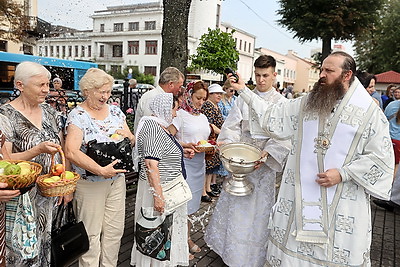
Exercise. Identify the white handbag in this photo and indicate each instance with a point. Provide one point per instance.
(176, 193)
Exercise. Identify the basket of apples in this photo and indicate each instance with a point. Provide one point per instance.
(19, 174)
(58, 182)
(206, 146)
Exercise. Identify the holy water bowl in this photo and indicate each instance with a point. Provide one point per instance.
(239, 159)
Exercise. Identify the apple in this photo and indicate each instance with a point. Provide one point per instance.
(116, 136)
(57, 169)
(69, 175)
(55, 178)
(212, 142)
(48, 180)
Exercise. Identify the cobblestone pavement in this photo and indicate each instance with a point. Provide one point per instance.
(385, 237)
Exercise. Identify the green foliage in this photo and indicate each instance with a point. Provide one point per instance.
(378, 48)
(328, 20)
(13, 21)
(216, 51)
(140, 77)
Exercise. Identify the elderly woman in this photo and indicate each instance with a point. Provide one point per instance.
(191, 126)
(57, 98)
(36, 133)
(161, 157)
(99, 198)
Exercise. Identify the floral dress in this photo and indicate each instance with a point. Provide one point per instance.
(214, 116)
(24, 135)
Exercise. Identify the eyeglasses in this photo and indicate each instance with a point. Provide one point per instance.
(231, 91)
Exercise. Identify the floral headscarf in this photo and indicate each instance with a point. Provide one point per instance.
(187, 103)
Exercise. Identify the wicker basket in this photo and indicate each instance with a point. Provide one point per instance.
(19, 181)
(207, 149)
(61, 187)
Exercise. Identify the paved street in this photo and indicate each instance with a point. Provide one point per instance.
(384, 251)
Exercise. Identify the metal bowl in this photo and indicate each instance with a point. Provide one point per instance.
(240, 160)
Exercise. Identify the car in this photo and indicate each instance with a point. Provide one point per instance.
(142, 87)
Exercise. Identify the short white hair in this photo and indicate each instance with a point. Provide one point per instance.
(27, 69)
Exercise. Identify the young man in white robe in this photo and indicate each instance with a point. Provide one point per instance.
(342, 153)
(238, 228)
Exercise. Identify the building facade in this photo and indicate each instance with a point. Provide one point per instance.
(129, 36)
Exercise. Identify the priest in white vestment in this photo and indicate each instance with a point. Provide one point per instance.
(341, 154)
(238, 229)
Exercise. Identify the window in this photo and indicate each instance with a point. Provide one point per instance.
(150, 70)
(249, 47)
(240, 45)
(101, 51)
(70, 50)
(133, 47)
(3, 46)
(82, 51)
(150, 25)
(76, 51)
(89, 50)
(57, 51)
(102, 67)
(46, 51)
(118, 27)
(51, 50)
(245, 45)
(151, 48)
(101, 27)
(133, 26)
(117, 50)
(63, 51)
(116, 68)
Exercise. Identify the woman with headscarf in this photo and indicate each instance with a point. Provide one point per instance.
(161, 158)
(191, 126)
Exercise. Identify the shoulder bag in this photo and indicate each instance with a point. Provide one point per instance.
(153, 234)
(70, 241)
(176, 193)
(106, 152)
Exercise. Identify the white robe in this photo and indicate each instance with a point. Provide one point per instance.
(312, 225)
(238, 228)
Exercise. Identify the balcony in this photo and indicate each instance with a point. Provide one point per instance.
(37, 27)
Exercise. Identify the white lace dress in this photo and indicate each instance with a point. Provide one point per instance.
(238, 228)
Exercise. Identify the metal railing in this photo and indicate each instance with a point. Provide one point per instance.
(65, 100)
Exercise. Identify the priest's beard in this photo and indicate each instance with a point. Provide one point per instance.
(323, 97)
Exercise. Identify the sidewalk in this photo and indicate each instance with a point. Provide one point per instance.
(384, 250)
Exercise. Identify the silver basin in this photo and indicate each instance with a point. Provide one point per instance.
(239, 159)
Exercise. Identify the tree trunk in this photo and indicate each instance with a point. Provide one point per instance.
(175, 34)
(326, 48)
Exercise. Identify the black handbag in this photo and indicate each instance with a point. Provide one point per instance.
(69, 241)
(153, 236)
(106, 152)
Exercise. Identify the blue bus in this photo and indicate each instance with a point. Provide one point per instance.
(69, 71)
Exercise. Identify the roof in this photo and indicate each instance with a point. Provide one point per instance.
(388, 77)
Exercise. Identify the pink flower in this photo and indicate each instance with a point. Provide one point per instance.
(115, 104)
(129, 110)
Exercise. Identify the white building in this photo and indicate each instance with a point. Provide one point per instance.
(129, 36)
(245, 43)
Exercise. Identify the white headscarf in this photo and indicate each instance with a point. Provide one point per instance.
(161, 108)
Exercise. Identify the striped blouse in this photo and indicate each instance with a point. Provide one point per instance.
(155, 143)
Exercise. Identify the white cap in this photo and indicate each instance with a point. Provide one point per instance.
(215, 88)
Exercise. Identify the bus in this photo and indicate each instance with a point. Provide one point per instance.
(69, 71)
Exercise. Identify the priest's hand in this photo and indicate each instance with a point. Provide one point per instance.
(329, 178)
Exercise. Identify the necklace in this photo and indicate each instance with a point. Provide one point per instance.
(92, 108)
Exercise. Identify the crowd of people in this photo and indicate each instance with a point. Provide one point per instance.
(332, 146)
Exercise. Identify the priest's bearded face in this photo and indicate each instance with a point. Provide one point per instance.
(324, 96)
